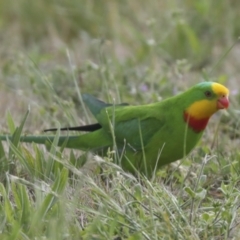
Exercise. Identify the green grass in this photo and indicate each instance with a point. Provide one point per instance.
(123, 51)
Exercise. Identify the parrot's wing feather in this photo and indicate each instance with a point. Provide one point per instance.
(85, 128)
(136, 133)
(132, 125)
(95, 105)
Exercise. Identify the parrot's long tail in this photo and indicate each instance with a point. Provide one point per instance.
(89, 141)
(71, 141)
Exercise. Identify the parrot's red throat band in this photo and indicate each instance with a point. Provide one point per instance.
(197, 125)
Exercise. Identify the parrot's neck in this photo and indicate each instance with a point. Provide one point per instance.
(196, 124)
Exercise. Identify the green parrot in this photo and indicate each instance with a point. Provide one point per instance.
(149, 136)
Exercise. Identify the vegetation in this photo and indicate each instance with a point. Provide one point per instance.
(123, 51)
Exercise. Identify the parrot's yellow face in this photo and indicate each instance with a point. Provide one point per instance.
(213, 100)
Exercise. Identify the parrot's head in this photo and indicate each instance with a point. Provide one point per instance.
(206, 99)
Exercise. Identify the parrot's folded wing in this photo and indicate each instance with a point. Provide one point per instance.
(137, 133)
(132, 125)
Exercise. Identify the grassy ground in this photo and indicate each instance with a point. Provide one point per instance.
(131, 51)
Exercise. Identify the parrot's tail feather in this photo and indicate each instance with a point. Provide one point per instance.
(89, 141)
(74, 142)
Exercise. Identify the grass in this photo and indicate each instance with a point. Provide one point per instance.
(123, 51)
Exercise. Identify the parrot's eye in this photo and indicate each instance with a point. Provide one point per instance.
(208, 94)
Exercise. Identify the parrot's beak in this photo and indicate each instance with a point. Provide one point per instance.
(222, 102)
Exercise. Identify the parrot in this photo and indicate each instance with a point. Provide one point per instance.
(144, 137)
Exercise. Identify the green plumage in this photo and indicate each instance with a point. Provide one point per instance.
(146, 137)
